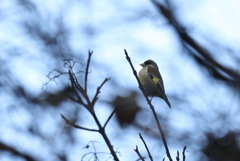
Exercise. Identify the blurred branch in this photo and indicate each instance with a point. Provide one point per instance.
(14, 151)
(138, 153)
(149, 154)
(199, 53)
(151, 107)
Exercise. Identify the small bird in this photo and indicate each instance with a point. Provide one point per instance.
(151, 80)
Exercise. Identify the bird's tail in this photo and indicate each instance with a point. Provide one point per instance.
(166, 100)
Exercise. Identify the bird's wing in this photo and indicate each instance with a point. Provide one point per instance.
(155, 76)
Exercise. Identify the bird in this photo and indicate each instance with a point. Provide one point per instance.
(151, 80)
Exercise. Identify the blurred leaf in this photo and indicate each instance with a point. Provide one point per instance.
(126, 108)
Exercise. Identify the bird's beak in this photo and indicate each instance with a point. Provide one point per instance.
(142, 64)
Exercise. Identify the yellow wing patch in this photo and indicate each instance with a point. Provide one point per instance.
(155, 80)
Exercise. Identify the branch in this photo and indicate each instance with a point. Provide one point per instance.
(149, 154)
(14, 151)
(89, 105)
(177, 157)
(138, 153)
(74, 85)
(183, 153)
(98, 91)
(77, 126)
(54, 77)
(109, 118)
(73, 99)
(190, 44)
(104, 135)
(151, 107)
(87, 67)
(80, 89)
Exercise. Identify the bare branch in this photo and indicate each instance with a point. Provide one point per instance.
(149, 154)
(74, 85)
(138, 153)
(195, 49)
(73, 99)
(151, 107)
(109, 118)
(183, 153)
(81, 95)
(177, 157)
(87, 67)
(80, 89)
(77, 126)
(16, 152)
(98, 91)
(59, 73)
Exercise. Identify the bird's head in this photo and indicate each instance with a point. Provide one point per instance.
(149, 62)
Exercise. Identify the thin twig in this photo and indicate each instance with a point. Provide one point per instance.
(109, 118)
(98, 90)
(54, 77)
(177, 157)
(87, 67)
(138, 153)
(149, 154)
(183, 153)
(77, 126)
(151, 107)
(80, 89)
(73, 86)
(73, 99)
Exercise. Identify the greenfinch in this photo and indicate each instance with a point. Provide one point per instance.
(151, 80)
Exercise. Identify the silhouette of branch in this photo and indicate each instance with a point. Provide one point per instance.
(87, 67)
(95, 98)
(84, 100)
(183, 153)
(80, 89)
(138, 153)
(109, 118)
(149, 154)
(14, 151)
(92, 154)
(177, 157)
(74, 87)
(77, 126)
(73, 99)
(151, 107)
(200, 54)
(53, 78)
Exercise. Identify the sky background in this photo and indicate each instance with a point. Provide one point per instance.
(200, 104)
